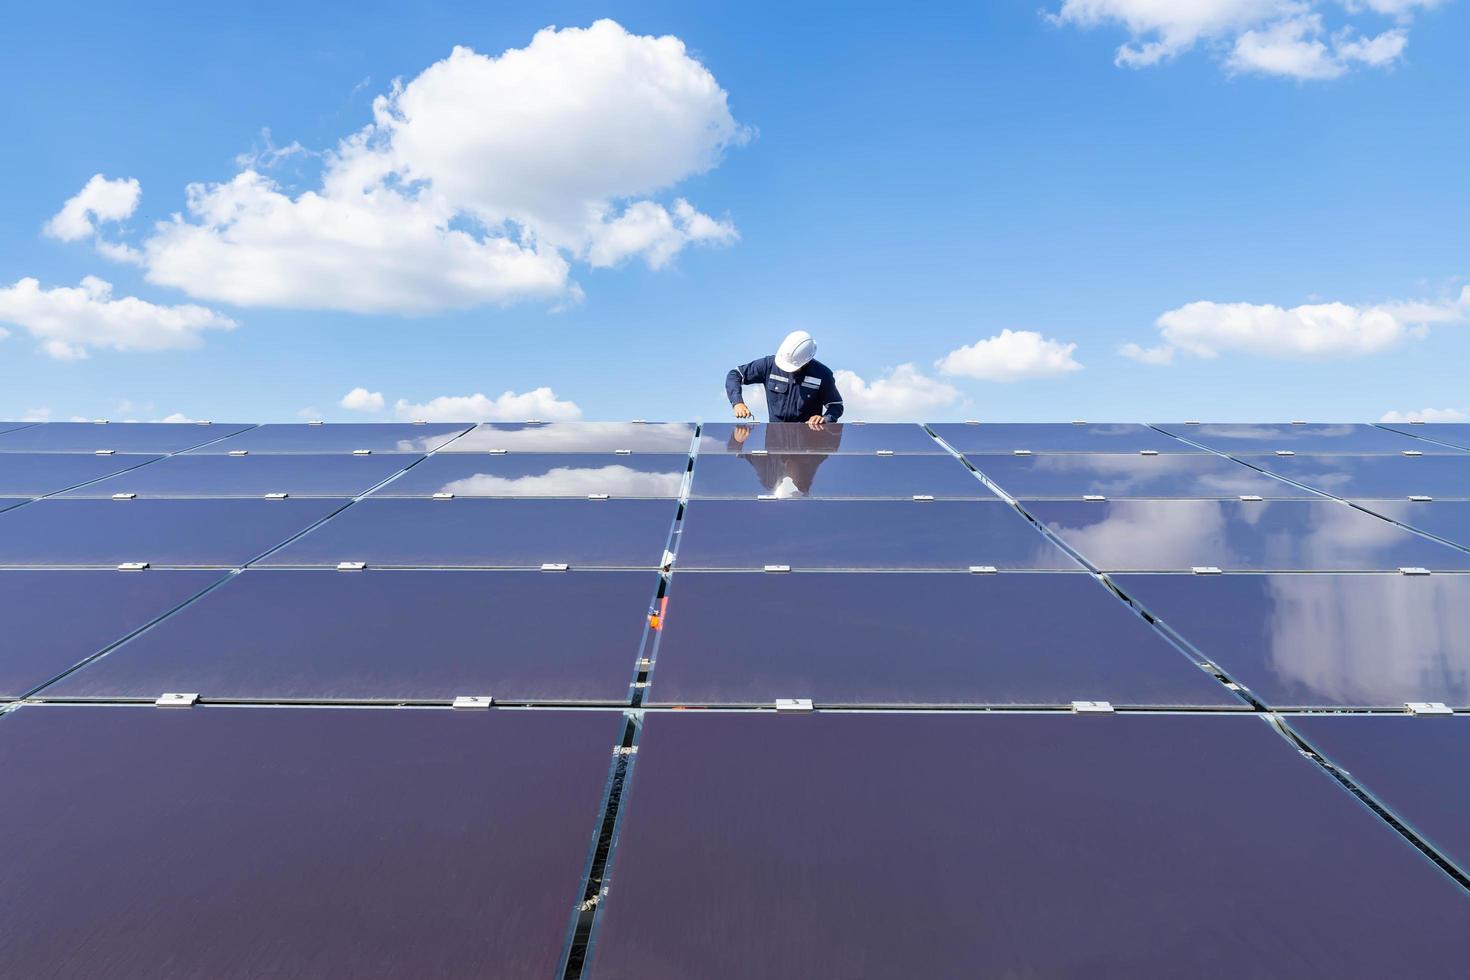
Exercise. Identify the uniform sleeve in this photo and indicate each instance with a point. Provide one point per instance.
(753, 373)
(831, 399)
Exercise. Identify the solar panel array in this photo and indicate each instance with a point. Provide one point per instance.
(726, 700)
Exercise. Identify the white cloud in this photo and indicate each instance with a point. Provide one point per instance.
(178, 417)
(1316, 330)
(98, 201)
(36, 415)
(1011, 355)
(904, 394)
(477, 182)
(1427, 415)
(539, 403)
(1289, 38)
(69, 321)
(362, 400)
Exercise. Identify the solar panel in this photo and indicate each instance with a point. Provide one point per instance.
(1076, 475)
(8, 426)
(818, 475)
(543, 475)
(1448, 519)
(55, 619)
(389, 635)
(797, 437)
(1455, 434)
(8, 502)
(379, 437)
(1415, 767)
(878, 534)
(1284, 437)
(915, 639)
(1009, 844)
(488, 533)
(37, 474)
(117, 437)
(1383, 476)
(1007, 437)
(107, 533)
(576, 437)
(297, 475)
(295, 841)
(1362, 641)
(1291, 535)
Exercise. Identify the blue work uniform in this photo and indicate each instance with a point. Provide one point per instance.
(793, 396)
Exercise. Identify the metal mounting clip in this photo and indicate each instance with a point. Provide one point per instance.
(1092, 707)
(1413, 570)
(351, 566)
(1206, 570)
(132, 566)
(1427, 708)
(793, 704)
(473, 701)
(176, 700)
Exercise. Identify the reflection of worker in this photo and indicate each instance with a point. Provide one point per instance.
(798, 387)
(791, 458)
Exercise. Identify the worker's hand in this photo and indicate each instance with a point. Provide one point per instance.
(741, 412)
(816, 422)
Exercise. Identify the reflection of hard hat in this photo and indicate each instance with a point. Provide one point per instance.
(787, 489)
(795, 351)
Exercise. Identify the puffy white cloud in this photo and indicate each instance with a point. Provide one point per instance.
(903, 394)
(477, 182)
(362, 400)
(36, 415)
(1011, 355)
(69, 321)
(539, 403)
(1207, 329)
(1427, 415)
(99, 200)
(1289, 38)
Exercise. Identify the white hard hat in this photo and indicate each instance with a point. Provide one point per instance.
(795, 351)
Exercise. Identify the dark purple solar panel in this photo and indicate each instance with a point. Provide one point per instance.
(484, 533)
(1448, 519)
(1415, 767)
(1455, 434)
(915, 639)
(10, 426)
(1006, 845)
(161, 532)
(577, 437)
(298, 475)
(1315, 438)
(1378, 476)
(542, 475)
(1049, 437)
(37, 474)
(8, 502)
(1367, 641)
(389, 635)
(798, 437)
(379, 437)
(55, 619)
(892, 534)
(118, 437)
(1170, 475)
(321, 842)
(816, 475)
(1290, 535)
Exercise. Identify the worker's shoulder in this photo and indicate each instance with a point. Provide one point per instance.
(816, 367)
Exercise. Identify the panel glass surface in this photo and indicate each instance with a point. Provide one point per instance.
(344, 437)
(299, 475)
(389, 635)
(120, 437)
(1006, 845)
(1448, 519)
(1074, 475)
(323, 842)
(915, 639)
(162, 532)
(896, 534)
(818, 475)
(1455, 434)
(797, 437)
(37, 474)
(1353, 641)
(506, 533)
(1420, 772)
(8, 502)
(1269, 438)
(55, 619)
(1059, 437)
(1283, 535)
(1387, 476)
(576, 437)
(543, 475)
(10, 426)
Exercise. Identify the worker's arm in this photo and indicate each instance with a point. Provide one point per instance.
(753, 373)
(831, 400)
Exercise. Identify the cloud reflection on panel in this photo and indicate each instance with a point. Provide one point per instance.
(551, 475)
(574, 437)
(1122, 475)
(568, 481)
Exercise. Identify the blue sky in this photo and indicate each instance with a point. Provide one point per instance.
(905, 185)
